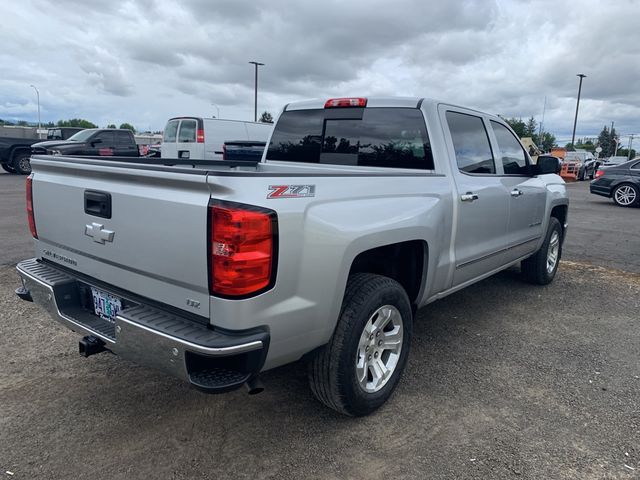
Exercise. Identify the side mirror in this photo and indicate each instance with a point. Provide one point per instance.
(547, 165)
(96, 141)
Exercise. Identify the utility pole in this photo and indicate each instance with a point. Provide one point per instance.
(217, 108)
(630, 145)
(38, 96)
(544, 109)
(575, 120)
(255, 98)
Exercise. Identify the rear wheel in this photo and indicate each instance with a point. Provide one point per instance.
(22, 163)
(626, 195)
(541, 267)
(7, 168)
(358, 370)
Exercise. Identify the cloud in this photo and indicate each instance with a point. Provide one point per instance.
(143, 61)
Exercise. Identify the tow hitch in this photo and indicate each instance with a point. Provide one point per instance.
(90, 345)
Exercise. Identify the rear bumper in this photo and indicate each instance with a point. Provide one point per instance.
(212, 360)
(596, 189)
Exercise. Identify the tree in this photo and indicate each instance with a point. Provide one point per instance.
(518, 126)
(111, 125)
(76, 122)
(530, 128)
(128, 126)
(266, 117)
(546, 143)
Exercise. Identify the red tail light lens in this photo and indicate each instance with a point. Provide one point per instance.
(200, 136)
(599, 173)
(30, 217)
(345, 102)
(242, 249)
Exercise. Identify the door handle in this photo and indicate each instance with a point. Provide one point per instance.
(469, 197)
(516, 192)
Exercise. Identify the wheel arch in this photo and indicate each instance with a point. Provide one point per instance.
(406, 262)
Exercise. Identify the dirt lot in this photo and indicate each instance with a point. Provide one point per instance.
(504, 380)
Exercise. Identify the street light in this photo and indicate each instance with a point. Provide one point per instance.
(575, 121)
(217, 108)
(255, 101)
(38, 95)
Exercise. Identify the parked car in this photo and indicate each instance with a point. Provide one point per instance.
(200, 138)
(363, 211)
(587, 164)
(619, 182)
(104, 142)
(15, 153)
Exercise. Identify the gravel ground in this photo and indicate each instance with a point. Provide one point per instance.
(504, 380)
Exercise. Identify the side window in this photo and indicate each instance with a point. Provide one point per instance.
(514, 160)
(187, 131)
(123, 138)
(106, 137)
(471, 143)
(170, 131)
(635, 166)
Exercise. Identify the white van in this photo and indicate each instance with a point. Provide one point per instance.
(199, 138)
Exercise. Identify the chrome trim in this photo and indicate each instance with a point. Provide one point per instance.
(245, 347)
(50, 304)
(497, 252)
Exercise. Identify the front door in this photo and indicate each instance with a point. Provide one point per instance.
(527, 194)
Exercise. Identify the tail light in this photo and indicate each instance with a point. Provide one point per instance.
(242, 249)
(200, 136)
(345, 102)
(30, 217)
(599, 173)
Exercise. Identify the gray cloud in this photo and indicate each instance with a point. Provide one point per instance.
(145, 60)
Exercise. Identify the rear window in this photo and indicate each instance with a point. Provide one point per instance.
(372, 137)
(187, 131)
(170, 131)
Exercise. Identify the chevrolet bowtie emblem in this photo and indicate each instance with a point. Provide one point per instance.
(98, 233)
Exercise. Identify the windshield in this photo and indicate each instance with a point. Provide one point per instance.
(82, 136)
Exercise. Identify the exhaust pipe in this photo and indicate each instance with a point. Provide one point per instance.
(254, 386)
(90, 345)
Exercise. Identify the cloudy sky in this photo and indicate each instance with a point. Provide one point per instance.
(143, 61)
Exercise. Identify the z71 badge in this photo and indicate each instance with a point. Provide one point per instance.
(291, 191)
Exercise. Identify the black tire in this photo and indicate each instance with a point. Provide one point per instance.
(535, 268)
(631, 190)
(582, 175)
(8, 168)
(332, 372)
(21, 162)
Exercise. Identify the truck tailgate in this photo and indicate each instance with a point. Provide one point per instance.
(155, 242)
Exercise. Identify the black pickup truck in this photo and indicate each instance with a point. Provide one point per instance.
(90, 142)
(243, 150)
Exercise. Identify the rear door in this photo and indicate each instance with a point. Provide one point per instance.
(125, 145)
(189, 143)
(169, 148)
(481, 224)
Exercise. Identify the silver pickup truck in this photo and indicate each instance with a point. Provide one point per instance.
(360, 212)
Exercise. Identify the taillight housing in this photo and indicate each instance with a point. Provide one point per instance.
(242, 249)
(200, 136)
(30, 216)
(346, 102)
(599, 173)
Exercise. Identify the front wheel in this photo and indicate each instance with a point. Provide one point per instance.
(358, 370)
(542, 266)
(626, 195)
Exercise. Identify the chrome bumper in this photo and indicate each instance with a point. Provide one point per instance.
(150, 336)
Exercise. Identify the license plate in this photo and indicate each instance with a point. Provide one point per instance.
(106, 305)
